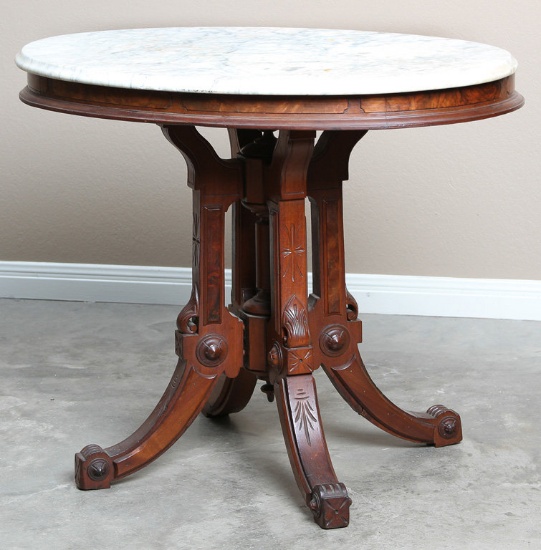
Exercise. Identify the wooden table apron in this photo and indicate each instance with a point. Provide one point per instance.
(274, 330)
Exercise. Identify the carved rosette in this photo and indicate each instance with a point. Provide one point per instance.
(449, 425)
(212, 350)
(330, 505)
(334, 340)
(276, 363)
(93, 468)
(275, 357)
(300, 361)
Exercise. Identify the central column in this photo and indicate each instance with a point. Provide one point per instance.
(290, 344)
(289, 335)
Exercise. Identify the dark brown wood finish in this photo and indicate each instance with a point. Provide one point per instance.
(274, 331)
(367, 112)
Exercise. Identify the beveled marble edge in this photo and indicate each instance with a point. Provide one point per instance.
(265, 61)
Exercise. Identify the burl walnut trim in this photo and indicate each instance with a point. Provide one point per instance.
(277, 112)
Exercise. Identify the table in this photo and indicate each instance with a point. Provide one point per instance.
(272, 88)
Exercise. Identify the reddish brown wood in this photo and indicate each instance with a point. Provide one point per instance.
(439, 426)
(277, 112)
(333, 312)
(230, 395)
(307, 449)
(273, 331)
(209, 340)
(287, 333)
(190, 386)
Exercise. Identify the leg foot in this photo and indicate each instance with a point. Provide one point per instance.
(448, 426)
(330, 505)
(93, 468)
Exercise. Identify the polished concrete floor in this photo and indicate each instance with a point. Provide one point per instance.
(78, 373)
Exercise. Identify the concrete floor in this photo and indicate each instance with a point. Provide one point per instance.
(78, 373)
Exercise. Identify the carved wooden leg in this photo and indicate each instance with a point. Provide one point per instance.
(291, 348)
(439, 426)
(209, 339)
(307, 449)
(333, 312)
(230, 395)
(96, 468)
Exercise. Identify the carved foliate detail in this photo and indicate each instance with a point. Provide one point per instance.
(188, 318)
(212, 350)
(295, 323)
(334, 340)
(351, 307)
(305, 414)
(330, 505)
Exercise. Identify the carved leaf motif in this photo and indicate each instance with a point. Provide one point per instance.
(295, 322)
(352, 308)
(188, 318)
(305, 415)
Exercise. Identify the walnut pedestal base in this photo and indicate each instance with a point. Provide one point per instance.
(272, 102)
(274, 330)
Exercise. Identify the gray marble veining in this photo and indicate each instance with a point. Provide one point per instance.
(271, 61)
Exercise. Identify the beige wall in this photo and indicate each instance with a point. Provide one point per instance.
(457, 201)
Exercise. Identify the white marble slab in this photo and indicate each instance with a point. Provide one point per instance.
(272, 61)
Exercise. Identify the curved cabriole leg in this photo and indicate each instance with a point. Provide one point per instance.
(230, 395)
(333, 311)
(307, 449)
(439, 426)
(209, 339)
(96, 468)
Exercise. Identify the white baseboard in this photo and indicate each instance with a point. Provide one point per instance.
(386, 294)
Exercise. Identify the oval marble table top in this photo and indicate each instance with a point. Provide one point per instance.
(265, 61)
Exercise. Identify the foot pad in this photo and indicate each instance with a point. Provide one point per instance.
(448, 430)
(330, 505)
(93, 468)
